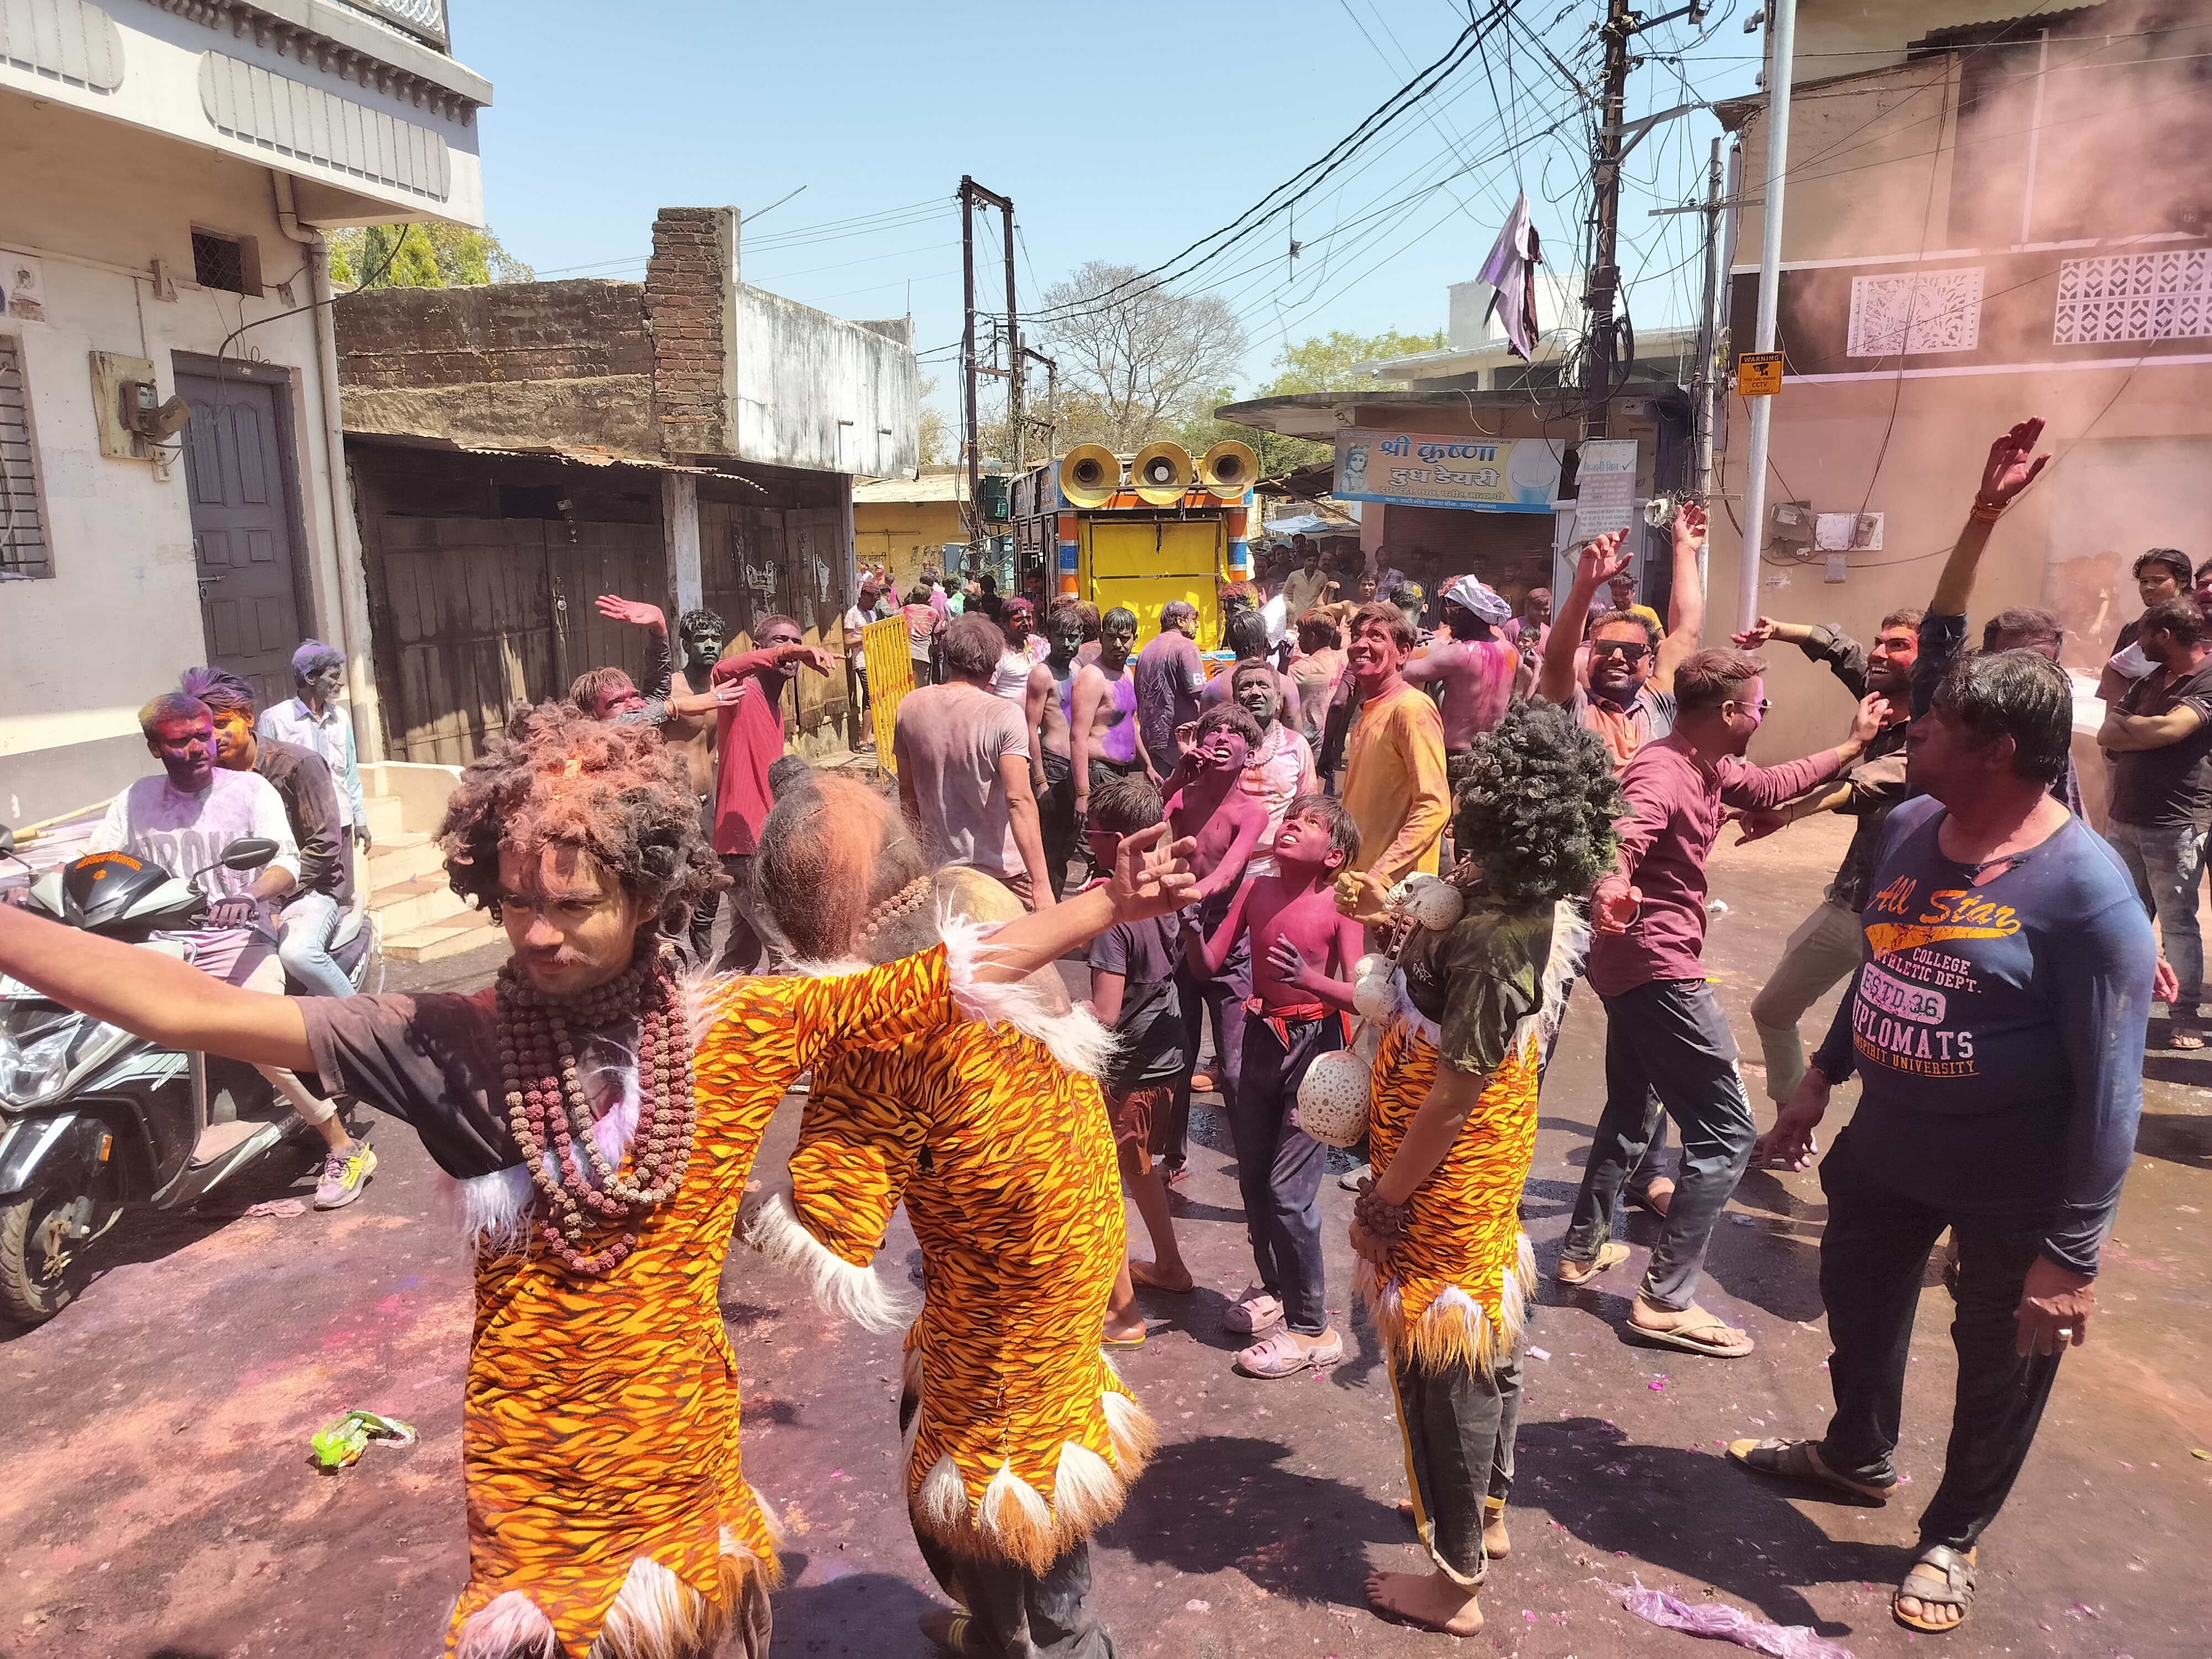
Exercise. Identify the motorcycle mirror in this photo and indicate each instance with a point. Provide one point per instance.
(249, 853)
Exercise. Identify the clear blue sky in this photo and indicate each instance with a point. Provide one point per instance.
(1121, 132)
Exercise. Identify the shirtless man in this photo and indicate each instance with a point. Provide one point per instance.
(1303, 950)
(1103, 713)
(1477, 669)
(1207, 799)
(1051, 679)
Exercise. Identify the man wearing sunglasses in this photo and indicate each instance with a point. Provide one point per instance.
(1630, 700)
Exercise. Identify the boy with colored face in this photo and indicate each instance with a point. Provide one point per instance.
(1303, 950)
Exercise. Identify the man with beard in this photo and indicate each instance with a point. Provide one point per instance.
(1630, 697)
(1170, 676)
(1825, 945)
(1105, 738)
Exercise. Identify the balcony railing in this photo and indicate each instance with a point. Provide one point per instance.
(423, 19)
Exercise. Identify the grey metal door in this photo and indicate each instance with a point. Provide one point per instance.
(239, 470)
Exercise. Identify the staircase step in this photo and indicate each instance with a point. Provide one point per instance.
(401, 856)
(446, 937)
(415, 902)
(383, 813)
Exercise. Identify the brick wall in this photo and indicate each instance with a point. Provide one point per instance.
(687, 288)
(396, 337)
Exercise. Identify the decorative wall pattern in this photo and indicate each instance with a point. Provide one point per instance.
(2135, 297)
(1911, 313)
(244, 101)
(65, 41)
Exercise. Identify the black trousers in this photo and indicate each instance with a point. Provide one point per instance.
(1873, 1257)
(1056, 819)
(1459, 1424)
(1015, 1613)
(1221, 998)
(1279, 1165)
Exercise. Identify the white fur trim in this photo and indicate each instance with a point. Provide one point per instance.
(1086, 1493)
(508, 1624)
(492, 1212)
(773, 1522)
(1035, 1006)
(941, 1500)
(859, 1294)
(1131, 1430)
(655, 1614)
(1030, 1514)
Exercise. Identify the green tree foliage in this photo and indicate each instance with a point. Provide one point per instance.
(423, 256)
(1323, 363)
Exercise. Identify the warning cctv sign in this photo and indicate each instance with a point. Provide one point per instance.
(1758, 374)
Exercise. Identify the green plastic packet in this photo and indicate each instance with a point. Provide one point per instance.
(339, 1444)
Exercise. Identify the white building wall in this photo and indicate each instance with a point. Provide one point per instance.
(813, 391)
(94, 203)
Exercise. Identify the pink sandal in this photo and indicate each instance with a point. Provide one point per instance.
(1280, 1354)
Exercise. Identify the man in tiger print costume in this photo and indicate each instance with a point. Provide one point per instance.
(1021, 1439)
(1444, 1267)
(609, 1516)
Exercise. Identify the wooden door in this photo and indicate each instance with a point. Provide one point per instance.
(238, 475)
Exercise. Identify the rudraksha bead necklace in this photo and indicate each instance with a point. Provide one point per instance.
(546, 1109)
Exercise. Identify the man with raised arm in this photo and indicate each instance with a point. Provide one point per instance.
(1630, 701)
(1665, 1031)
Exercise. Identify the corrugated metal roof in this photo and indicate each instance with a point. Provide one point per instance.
(2022, 26)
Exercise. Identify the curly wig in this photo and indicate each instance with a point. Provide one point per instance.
(1536, 811)
(615, 793)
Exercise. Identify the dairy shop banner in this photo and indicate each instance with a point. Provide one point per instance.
(1417, 469)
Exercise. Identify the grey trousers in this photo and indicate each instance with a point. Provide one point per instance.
(1827, 946)
(1459, 1426)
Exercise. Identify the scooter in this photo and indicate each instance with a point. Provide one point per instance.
(97, 1120)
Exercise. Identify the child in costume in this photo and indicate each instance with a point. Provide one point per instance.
(1444, 1266)
(599, 1163)
(1303, 952)
(1132, 990)
(1022, 1441)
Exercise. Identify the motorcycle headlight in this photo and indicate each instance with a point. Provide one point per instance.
(34, 1051)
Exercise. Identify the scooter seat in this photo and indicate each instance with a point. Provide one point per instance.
(221, 1140)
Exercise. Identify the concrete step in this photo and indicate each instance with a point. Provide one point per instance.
(403, 854)
(384, 816)
(415, 903)
(446, 937)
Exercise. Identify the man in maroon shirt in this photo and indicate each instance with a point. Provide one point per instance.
(1665, 1031)
(748, 741)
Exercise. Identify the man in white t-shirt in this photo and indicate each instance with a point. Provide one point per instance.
(182, 821)
(856, 657)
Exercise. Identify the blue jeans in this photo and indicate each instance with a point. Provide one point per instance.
(2167, 863)
(305, 927)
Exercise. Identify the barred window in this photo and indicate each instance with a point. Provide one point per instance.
(23, 550)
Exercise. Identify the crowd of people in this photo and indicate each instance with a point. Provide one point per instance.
(1354, 821)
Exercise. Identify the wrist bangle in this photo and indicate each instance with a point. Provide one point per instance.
(1986, 511)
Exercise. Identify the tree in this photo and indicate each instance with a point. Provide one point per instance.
(931, 445)
(1135, 361)
(1325, 363)
(423, 256)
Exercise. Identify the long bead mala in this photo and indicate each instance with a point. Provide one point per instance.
(546, 1108)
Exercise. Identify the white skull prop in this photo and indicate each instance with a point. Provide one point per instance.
(1333, 1099)
(1431, 900)
(1374, 988)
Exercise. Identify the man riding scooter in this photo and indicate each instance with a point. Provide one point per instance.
(182, 821)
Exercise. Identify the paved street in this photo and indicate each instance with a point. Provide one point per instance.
(157, 1495)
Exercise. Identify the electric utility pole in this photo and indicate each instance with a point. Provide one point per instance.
(1782, 41)
(970, 194)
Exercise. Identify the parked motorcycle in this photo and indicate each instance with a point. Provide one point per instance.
(97, 1120)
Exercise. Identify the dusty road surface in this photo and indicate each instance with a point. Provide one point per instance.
(156, 1497)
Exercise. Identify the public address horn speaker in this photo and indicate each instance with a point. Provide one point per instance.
(1089, 474)
(1161, 473)
(1228, 469)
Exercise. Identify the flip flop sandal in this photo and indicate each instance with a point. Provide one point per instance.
(2178, 1035)
(1799, 1459)
(1684, 1336)
(1570, 1272)
(1279, 1354)
(1141, 1273)
(1957, 1589)
(1136, 1341)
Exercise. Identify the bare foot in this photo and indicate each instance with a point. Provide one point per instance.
(1658, 1195)
(1430, 1599)
(1497, 1543)
(1176, 1280)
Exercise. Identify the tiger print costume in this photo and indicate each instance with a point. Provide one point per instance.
(1025, 1441)
(600, 1429)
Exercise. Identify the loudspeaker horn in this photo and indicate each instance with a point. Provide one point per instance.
(1161, 474)
(1228, 469)
(1089, 474)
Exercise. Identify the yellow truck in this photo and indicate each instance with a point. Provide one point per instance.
(1139, 530)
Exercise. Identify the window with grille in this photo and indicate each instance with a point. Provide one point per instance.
(225, 262)
(23, 550)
